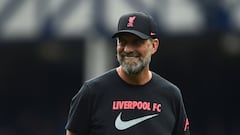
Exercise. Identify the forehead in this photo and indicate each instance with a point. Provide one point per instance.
(128, 36)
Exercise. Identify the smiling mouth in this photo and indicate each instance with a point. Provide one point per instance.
(131, 56)
(131, 59)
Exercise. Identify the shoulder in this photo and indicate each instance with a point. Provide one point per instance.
(97, 83)
(102, 81)
(166, 85)
(104, 78)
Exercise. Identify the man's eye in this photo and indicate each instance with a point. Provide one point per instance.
(138, 41)
(122, 42)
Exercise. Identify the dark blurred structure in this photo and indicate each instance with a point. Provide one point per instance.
(48, 48)
(38, 79)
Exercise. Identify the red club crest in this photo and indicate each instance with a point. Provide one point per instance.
(131, 20)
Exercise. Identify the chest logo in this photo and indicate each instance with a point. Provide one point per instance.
(122, 125)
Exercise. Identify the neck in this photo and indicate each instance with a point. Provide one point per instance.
(139, 79)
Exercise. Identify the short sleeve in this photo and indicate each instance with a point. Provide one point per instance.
(182, 123)
(79, 114)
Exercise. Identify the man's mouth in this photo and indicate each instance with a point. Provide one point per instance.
(131, 59)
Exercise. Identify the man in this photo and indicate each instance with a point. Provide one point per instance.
(130, 99)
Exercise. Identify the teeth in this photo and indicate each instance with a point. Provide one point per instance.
(131, 57)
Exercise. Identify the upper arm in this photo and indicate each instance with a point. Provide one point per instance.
(79, 119)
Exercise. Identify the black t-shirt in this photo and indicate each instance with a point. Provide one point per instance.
(106, 105)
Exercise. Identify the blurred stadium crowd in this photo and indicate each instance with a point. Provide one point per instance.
(49, 47)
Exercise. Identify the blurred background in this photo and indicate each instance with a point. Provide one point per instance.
(48, 48)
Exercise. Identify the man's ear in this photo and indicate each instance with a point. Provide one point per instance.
(156, 43)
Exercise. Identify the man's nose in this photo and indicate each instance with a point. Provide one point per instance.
(128, 48)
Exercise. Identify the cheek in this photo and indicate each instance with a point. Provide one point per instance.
(144, 51)
(119, 49)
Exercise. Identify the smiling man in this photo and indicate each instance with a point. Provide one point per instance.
(129, 99)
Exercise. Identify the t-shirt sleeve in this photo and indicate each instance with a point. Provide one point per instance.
(79, 114)
(182, 123)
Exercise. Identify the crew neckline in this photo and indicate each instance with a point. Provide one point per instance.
(134, 85)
